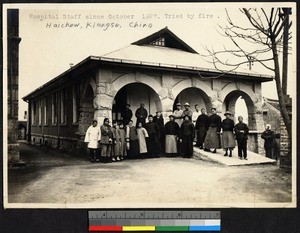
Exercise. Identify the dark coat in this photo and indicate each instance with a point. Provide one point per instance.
(268, 136)
(187, 128)
(215, 121)
(202, 122)
(126, 115)
(141, 115)
(172, 128)
(227, 125)
(241, 131)
(160, 122)
(106, 134)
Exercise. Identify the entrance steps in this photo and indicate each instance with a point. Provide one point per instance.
(253, 158)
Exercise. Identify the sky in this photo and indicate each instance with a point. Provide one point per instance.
(49, 46)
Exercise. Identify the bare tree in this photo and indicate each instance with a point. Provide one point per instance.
(264, 30)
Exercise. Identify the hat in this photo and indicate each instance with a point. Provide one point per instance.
(150, 116)
(268, 126)
(187, 104)
(178, 104)
(227, 113)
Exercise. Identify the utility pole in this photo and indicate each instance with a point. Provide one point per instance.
(286, 13)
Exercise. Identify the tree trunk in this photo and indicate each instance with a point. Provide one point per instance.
(283, 109)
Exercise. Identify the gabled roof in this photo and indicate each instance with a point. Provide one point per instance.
(165, 38)
(272, 103)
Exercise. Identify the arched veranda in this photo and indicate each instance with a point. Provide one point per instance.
(134, 94)
(193, 96)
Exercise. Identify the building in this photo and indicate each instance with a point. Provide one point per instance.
(13, 41)
(159, 70)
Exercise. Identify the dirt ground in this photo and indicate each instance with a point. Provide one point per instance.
(54, 177)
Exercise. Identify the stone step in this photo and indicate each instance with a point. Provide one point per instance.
(253, 158)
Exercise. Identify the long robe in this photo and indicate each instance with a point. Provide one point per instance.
(93, 136)
(132, 142)
(153, 144)
(187, 131)
(106, 144)
(142, 135)
(161, 125)
(122, 134)
(227, 135)
(212, 139)
(116, 142)
(201, 127)
(172, 132)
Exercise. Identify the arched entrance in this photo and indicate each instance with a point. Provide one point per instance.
(134, 94)
(240, 103)
(193, 96)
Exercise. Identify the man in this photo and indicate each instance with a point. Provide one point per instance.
(126, 114)
(172, 133)
(92, 138)
(186, 137)
(227, 134)
(153, 144)
(178, 114)
(187, 111)
(269, 136)
(141, 115)
(201, 127)
(159, 120)
(196, 114)
(241, 134)
(212, 139)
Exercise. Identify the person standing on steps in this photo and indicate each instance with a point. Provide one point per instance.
(141, 115)
(212, 139)
(201, 127)
(241, 134)
(227, 134)
(178, 114)
(126, 114)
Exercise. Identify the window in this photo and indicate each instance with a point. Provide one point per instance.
(54, 108)
(63, 99)
(159, 42)
(75, 103)
(45, 111)
(33, 113)
(40, 111)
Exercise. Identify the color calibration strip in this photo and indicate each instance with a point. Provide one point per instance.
(103, 221)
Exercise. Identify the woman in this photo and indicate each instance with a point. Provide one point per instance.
(106, 140)
(92, 137)
(122, 134)
(132, 143)
(116, 148)
(187, 131)
(142, 135)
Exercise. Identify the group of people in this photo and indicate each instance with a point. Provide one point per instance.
(176, 137)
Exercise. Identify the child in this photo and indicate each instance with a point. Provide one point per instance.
(92, 137)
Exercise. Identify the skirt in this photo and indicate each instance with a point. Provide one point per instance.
(228, 140)
(171, 144)
(212, 139)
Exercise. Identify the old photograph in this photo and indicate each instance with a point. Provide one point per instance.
(149, 105)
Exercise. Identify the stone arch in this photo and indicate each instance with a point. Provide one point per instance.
(134, 93)
(131, 78)
(229, 105)
(187, 83)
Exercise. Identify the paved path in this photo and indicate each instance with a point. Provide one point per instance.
(56, 178)
(253, 158)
